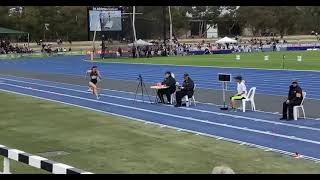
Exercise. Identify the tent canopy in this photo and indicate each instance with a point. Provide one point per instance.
(140, 42)
(10, 31)
(226, 40)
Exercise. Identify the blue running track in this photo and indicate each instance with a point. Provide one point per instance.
(256, 129)
(272, 82)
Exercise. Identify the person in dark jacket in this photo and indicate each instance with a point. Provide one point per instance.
(294, 99)
(120, 51)
(133, 51)
(171, 83)
(186, 89)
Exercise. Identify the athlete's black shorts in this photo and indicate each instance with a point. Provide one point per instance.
(94, 81)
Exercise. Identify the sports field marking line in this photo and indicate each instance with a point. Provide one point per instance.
(153, 82)
(175, 116)
(95, 61)
(253, 119)
(45, 81)
(80, 75)
(191, 109)
(32, 79)
(167, 126)
(274, 113)
(206, 88)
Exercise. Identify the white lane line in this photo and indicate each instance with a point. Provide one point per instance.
(171, 127)
(191, 109)
(54, 82)
(213, 88)
(213, 67)
(175, 116)
(252, 119)
(112, 90)
(265, 112)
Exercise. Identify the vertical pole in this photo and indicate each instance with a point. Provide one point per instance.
(6, 166)
(171, 42)
(170, 18)
(224, 94)
(93, 45)
(134, 29)
(142, 90)
(44, 36)
(28, 40)
(164, 25)
(283, 57)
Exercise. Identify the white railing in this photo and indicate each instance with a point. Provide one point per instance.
(35, 161)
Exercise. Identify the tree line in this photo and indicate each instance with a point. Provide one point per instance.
(70, 22)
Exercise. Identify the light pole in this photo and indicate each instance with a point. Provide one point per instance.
(170, 18)
(134, 29)
(170, 41)
(164, 25)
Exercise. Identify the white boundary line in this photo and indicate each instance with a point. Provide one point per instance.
(171, 127)
(95, 61)
(151, 82)
(175, 116)
(191, 109)
(112, 90)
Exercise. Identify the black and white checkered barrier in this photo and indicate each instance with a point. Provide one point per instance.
(35, 161)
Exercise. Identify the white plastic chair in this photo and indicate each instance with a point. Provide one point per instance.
(250, 98)
(189, 100)
(173, 98)
(173, 95)
(296, 108)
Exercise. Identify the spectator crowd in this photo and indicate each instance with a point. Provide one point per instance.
(7, 48)
(176, 48)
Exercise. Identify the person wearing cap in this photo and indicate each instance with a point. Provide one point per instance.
(171, 83)
(186, 89)
(294, 99)
(241, 92)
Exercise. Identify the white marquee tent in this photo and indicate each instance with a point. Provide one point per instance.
(226, 40)
(140, 42)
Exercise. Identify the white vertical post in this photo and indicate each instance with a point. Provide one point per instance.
(28, 40)
(170, 18)
(171, 42)
(134, 29)
(93, 45)
(6, 166)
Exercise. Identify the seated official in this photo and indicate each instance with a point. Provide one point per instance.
(186, 89)
(294, 99)
(171, 83)
(241, 92)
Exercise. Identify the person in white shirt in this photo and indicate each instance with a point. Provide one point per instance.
(241, 92)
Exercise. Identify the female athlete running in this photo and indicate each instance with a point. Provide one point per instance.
(94, 76)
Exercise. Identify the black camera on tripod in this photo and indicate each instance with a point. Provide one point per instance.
(139, 77)
(141, 86)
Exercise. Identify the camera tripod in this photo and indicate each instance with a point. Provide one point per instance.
(142, 86)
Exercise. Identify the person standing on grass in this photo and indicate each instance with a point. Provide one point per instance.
(294, 99)
(241, 92)
(94, 77)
